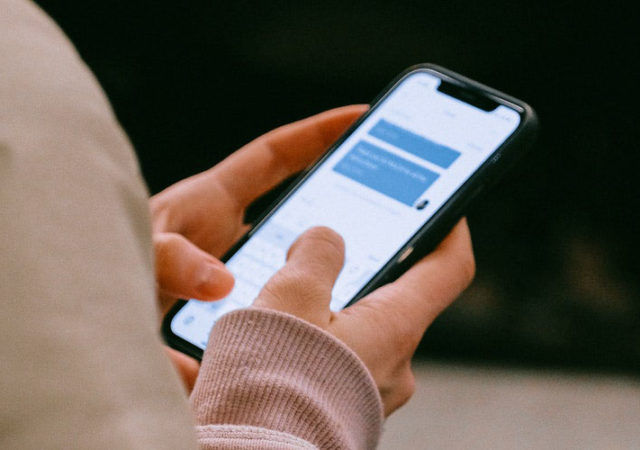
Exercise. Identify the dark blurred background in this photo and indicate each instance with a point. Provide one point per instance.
(556, 242)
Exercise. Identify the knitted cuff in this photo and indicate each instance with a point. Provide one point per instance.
(270, 369)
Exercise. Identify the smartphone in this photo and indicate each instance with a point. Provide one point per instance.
(393, 186)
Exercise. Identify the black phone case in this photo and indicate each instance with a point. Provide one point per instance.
(439, 225)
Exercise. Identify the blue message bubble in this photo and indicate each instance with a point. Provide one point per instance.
(419, 146)
(385, 172)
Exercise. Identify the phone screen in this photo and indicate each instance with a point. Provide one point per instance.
(376, 189)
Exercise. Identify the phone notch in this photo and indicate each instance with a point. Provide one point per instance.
(464, 94)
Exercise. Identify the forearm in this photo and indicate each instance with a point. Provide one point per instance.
(270, 380)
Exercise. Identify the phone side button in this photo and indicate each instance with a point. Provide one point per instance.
(404, 255)
(471, 197)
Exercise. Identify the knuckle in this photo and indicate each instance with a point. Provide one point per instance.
(407, 386)
(468, 268)
(403, 325)
(156, 205)
(291, 285)
(406, 340)
(165, 244)
(327, 237)
(400, 390)
(160, 212)
(280, 282)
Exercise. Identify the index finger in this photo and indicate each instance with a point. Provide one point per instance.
(270, 159)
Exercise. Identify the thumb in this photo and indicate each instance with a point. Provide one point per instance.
(303, 286)
(185, 271)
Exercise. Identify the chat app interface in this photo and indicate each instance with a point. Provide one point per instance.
(376, 190)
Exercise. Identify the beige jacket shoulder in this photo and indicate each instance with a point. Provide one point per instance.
(81, 362)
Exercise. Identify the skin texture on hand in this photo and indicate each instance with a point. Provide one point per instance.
(196, 220)
(385, 327)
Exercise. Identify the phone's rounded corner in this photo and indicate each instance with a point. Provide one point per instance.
(165, 327)
(431, 68)
(174, 341)
(528, 128)
(532, 118)
(427, 66)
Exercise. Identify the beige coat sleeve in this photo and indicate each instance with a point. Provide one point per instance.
(81, 363)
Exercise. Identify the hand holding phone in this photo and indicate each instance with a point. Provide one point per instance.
(392, 186)
(198, 219)
(385, 327)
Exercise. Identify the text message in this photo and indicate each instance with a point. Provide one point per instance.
(439, 155)
(385, 172)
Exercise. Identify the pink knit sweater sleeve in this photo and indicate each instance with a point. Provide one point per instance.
(270, 380)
